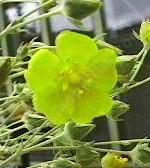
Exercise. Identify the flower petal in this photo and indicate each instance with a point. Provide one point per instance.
(104, 69)
(91, 104)
(75, 47)
(43, 69)
(55, 104)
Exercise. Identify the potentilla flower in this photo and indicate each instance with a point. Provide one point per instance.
(73, 83)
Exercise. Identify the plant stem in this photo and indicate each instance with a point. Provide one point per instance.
(8, 98)
(140, 53)
(14, 123)
(15, 75)
(43, 136)
(10, 1)
(26, 22)
(32, 148)
(36, 132)
(127, 86)
(21, 64)
(122, 142)
(12, 157)
(139, 83)
(13, 130)
(50, 3)
(112, 151)
(139, 66)
(56, 148)
(41, 164)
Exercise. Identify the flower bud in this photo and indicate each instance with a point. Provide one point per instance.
(114, 161)
(145, 33)
(80, 9)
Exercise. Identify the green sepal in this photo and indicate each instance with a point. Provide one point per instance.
(118, 109)
(72, 132)
(125, 64)
(33, 120)
(87, 157)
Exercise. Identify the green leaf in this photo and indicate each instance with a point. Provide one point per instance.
(118, 109)
(64, 136)
(104, 67)
(43, 69)
(75, 48)
(91, 104)
(55, 104)
(80, 131)
(71, 133)
(141, 155)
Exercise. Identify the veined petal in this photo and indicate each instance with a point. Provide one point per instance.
(55, 104)
(75, 48)
(42, 70)
(91, 104)
(104, 69)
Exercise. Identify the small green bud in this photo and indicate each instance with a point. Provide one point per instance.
(145, 33)
(80, 9)
(49, 4)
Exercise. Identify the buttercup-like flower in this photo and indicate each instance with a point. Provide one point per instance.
(75, 82)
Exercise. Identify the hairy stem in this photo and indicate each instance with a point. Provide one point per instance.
(122, 142)
(10, 29)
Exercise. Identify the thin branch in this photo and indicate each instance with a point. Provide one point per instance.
(56, 11)
(122, 142)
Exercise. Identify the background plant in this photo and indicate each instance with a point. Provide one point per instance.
(67, 138)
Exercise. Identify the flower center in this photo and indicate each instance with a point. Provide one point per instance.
(74, 78)
(77, 77)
